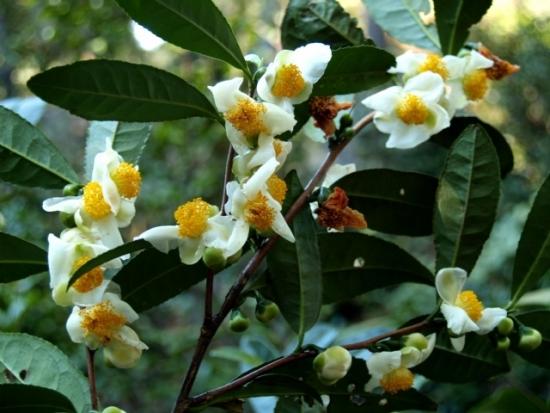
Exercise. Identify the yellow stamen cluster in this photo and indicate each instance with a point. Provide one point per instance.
(435, 64)
(192, 217)
(94, 202)
(277, 188)
(258, 213)
(102, 321)
(90, 280)
(247, 117)
(475, 84)
(127, 179)
(412, 110)
(397, 380)
(288, 82)
(277, 147)
(468, 301)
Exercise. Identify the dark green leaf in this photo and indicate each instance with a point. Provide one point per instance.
(19, 258)
(466, 200)
(395, 202)
(454, 19)
(354, 69)
(288, 405)
(194, 25)
(510, 400)
(32, 361)
(448, 136)
(355, 263)
(539, 320)
(324, 21)
(20, 398)
(128, 139)
(533, 253)
(114, 90)
(402, 20)
(28, 158)
(373, 403)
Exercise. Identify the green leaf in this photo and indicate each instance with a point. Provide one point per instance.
(454, 19)
(194, 25)
(402, 20)
(151, 278)
(449, 135)
(372, 403)
(510, 400)
(28, 158)
(537, 319)
(354, 69)
(466, 200)
(19, 398)
(107, 256)
(395, 202)
(31, 360)
(295, 272)
(288, 405)
(114, 90)
(533, 253)
(324, 21)
(19, 258)
(355, 263)
(128, 139)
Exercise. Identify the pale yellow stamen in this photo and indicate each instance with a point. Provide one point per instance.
(468, 301)
(102, 321)
(127, 180)
(475, 84)
(288, 82)
(94, 202)
(258, 213)
(277, 188)
(247, 117)
(435, 64)
(412, 110)
(397, 380)
(192, 217)
(90, 280)
(277, 147)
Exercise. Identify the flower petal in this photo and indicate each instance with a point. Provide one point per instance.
(226, 93)
(457, 319)
(277, 120)
(428, 85)
(191, 250)
(258, 180)
(163, 238)
(312, 60)
(67, 204)
(385, 100)
(490, 318)
(458, 343)
(449, 283)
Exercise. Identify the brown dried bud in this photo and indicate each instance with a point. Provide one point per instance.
(335, 212)
(324, 109)
(501, 68)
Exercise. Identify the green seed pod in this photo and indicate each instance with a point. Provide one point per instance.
(266, 311)
(503, 343)
(416, 340)
(529, 339)
(213, 258)
(113, 409)
(505, 326)
(67, 220)
(332, 364)
(71, 189)
(238, 321)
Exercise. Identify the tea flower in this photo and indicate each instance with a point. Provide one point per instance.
(290, 78)
(412, 63)
(268, 148)
(410, 114)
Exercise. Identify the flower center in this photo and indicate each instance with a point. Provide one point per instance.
(468, 301)
(475, 84)
(397, 380)
(90, 280)
(247, 117)
(94, 202)
(277, 147)
(192, 217)
(412, 110)
(127, 179)
(435, 64)
(258, 213)
(102, 321)
(288, 82)
(277, 188)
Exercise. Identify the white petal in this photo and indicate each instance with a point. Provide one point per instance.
(259, 178)
(476, 61)
(281, 227)
(237, 139)
(104, 162)
(449, 283)
(89, 298)
(385, 100)
(74, 326)
(226, 234)
(266, 83)
(407, 136)
(408, 63)
(107, 230)
(277, 120)
(441, 119)
(121, 307)
(337, 171)
(230, 189)
(458, 343)
(263, 153)
(490, 318)
(457, 319)
(383, 362)
(67, 204)
(191, 250)
(163, 238)
(61, 258)
(427, 85)
(126, 213)
(124, 351)
(312, 60)
(455, 66)
(225, 93)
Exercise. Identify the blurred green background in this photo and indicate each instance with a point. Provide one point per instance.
(185, 159)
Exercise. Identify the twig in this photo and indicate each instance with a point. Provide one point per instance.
(91, 377)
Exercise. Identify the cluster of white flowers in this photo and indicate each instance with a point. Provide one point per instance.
(433, 89)
(99, 316)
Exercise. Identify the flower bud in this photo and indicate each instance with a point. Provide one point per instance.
(503, 344)
(346, 120)
(416, 340)
(67, 220)
(2, 222)
(505, 326)
(113, 409)
(266, 311)
(71, 189)
(238, 322)
(529, 339)
(213, 258)
(348, 133)
(332, 364)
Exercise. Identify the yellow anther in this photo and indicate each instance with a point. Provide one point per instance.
(288, 82)
(127, 179)
(247, 117)
(475, 84)
(102, 321)
(468, 301)
(397, 380)
(90, 280)
(435, 64)
(94, 202)
(192, 217)
(412, 110)
(258, 213)
(277, 188)
(278, 147)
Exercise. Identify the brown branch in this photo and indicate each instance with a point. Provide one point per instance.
(91, 377)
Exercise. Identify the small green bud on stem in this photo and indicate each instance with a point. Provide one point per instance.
(503, 343)
(238, 321)
(505, 326)
(213, 258)
(529, 339)
(71, 189)
(113, 409)
(266, 310)
(416, 340)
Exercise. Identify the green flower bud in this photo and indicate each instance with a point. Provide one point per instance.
(346, 120)
(2, 222)
(505, 326)
(113, 409)
(332, 364)
(503, 343)
(348, 133)
(238, 321)
(67, 220)
(213, 258)
(416, 340)
(71, 189)
(266, 311)
(529, 339)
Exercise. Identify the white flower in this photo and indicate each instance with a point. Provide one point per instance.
(332, 364)
(268, 148)
(412, 63)
(290, 78)
(463, 311)
(245, 119)
(410, 114)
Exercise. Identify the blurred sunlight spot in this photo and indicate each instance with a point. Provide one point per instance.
(144, 38)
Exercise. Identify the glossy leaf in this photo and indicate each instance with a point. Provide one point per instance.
(31, 360)
(114, 90)
(19, 258)
(454, 19)
(510, 400)
(395, 202)
(193, 25)
(372, 403)
(533, 252)
(354, 69)
(288, 405)
(20, 398)
(355, 263)
(28, 158)
(323, 21)
(466, 200)
(402, 20)
(537, 319)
